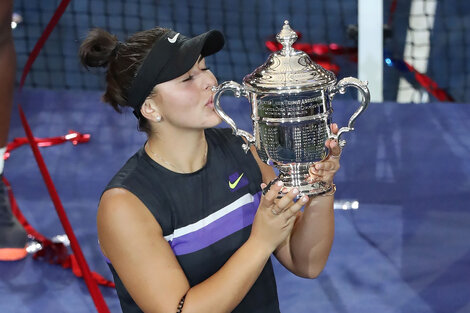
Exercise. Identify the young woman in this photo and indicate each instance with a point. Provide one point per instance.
(184, 223)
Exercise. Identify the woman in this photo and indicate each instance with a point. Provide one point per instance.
(184, 223)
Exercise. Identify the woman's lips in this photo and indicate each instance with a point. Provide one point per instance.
(210, 103)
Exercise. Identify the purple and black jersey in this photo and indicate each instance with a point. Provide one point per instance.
(205, 216)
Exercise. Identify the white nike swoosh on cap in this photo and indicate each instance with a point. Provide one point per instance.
(173, 40)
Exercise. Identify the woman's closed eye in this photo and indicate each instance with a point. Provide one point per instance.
(190, 77)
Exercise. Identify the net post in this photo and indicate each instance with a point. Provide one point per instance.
(370, 46)
(417, 47)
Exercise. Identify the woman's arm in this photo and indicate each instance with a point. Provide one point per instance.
(133, 241)
(306, 250)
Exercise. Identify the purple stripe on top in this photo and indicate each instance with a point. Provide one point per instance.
(217, 230)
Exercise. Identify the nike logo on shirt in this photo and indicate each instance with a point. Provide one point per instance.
(235, 183)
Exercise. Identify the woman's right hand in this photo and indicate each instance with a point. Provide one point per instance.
(275, 217)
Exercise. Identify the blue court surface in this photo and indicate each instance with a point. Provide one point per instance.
(405, 249)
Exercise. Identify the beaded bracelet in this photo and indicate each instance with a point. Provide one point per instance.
(180, 305)
(331, 192)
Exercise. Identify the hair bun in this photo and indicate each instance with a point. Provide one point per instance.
(98, 48)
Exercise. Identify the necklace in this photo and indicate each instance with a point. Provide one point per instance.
(171, 164)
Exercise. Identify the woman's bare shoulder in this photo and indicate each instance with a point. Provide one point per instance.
(119, 207)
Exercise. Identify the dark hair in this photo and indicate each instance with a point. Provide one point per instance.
(122, 60)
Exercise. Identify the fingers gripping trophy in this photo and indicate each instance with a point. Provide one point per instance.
(291, 112)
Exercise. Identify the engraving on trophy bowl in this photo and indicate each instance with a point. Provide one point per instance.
(293, 128)
(294, 142)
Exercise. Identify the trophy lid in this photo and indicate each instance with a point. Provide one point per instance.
(288, 70)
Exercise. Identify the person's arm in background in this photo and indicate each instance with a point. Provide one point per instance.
(13, 237)
(8, 69)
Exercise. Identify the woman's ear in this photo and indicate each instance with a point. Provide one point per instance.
(150, 111)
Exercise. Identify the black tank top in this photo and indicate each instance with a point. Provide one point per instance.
(205, 216)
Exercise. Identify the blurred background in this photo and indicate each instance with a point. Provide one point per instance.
(402, 219)
(430, 35)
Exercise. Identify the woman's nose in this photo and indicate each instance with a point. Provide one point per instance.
(210, 80)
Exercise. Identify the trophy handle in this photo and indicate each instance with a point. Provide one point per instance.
(238, 91)
(341, 88)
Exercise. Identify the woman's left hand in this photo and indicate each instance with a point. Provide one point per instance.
(325, 170)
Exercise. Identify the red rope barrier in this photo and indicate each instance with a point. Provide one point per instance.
(95, 293)
(52, 252)
(73, 136)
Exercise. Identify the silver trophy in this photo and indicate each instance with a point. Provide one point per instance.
(291, 112)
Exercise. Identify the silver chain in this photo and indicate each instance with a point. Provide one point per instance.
(171, 164)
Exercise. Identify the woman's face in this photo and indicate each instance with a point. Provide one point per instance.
(187, 101)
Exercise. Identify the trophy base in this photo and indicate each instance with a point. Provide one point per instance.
(295, 176)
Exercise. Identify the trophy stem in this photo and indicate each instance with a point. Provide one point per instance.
(294, 175)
